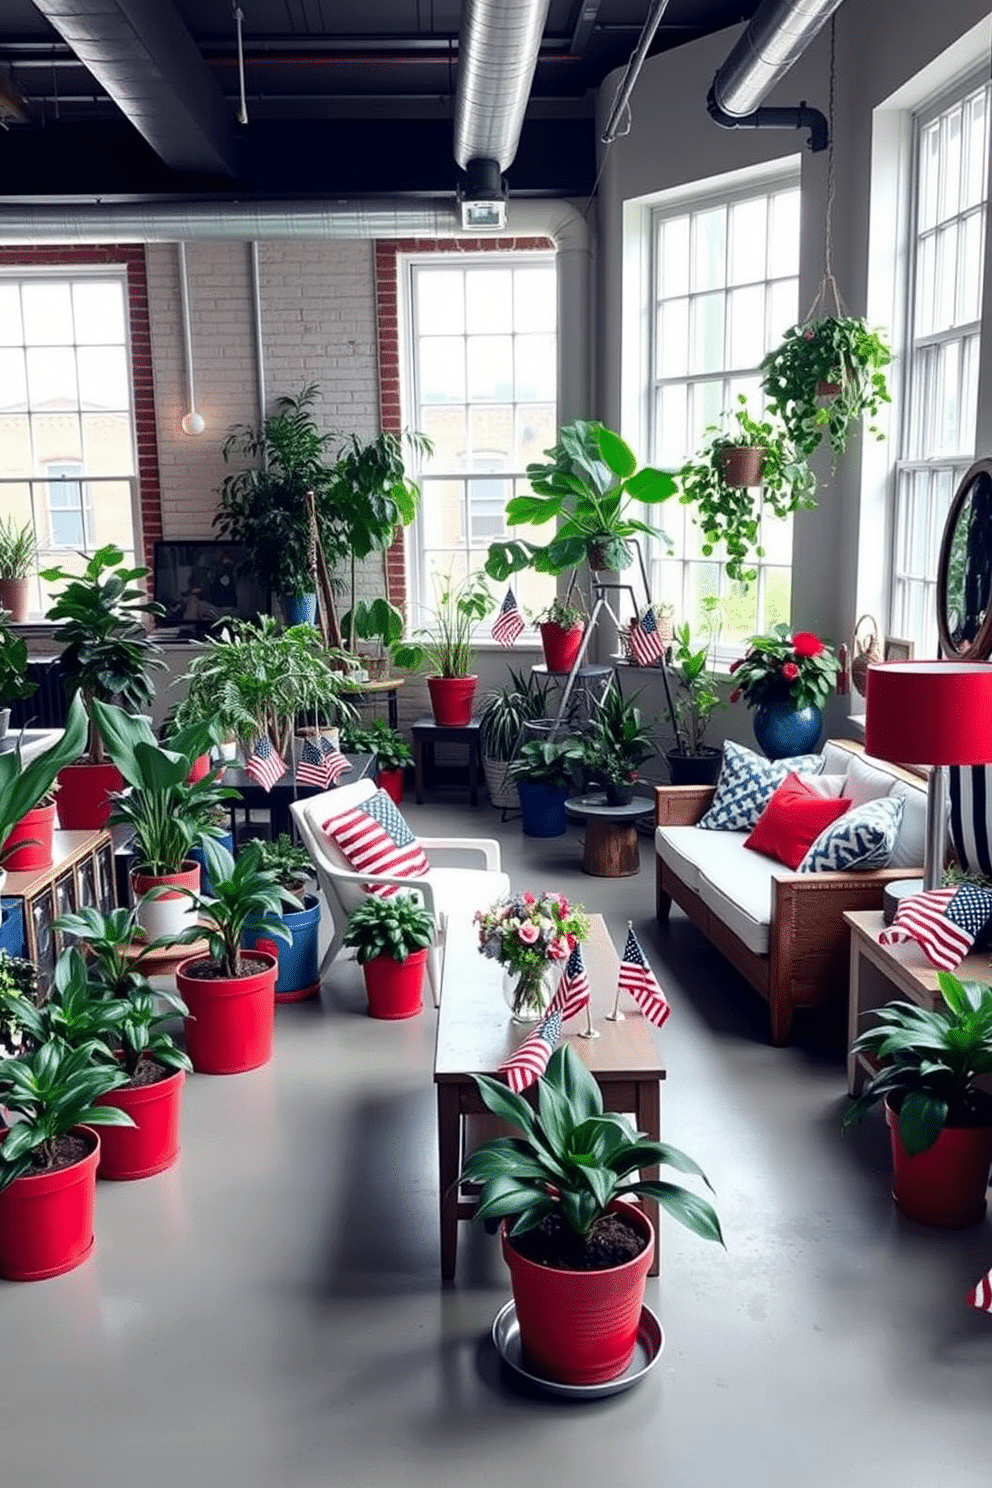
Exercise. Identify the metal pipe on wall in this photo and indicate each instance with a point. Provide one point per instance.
(256, 301)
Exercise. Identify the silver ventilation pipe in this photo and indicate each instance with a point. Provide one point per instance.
(776, 37)
(498, 44)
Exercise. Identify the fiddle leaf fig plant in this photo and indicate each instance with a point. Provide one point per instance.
(825, 375)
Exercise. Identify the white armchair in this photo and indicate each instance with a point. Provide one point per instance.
(446, 892)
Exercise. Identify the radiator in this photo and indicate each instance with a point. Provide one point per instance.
(45, 708)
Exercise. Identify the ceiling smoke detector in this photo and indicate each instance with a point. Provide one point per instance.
(482, 195)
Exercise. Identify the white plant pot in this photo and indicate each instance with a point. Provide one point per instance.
(4, 722)
(168, 915)
(227, 752)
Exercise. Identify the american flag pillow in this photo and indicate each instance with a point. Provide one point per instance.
(374, 837)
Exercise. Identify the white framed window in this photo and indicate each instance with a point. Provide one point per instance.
(943, 344)
(67, 443)
(482, 385)
(724, 282)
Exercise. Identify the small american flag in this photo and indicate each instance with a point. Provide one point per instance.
(266, 764)
(573, 989)
(335, 762)
(645, 642)
(310, 766)
(637, 978)
(508, 623)
(980, 1295)
(944, 922)
(531, 1059)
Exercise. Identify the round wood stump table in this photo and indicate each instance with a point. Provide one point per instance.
(612, 849)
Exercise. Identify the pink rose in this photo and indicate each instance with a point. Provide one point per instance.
(790, 671)
(528, 932)
(526, 898)
(558, 949)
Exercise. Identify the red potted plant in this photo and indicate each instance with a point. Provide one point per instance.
(23, 787)
(446, 647)
(392, 756)
(562, 626)
(578, 1252)
(940, 1124)
(391, 938)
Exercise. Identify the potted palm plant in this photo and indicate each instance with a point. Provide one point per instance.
(299, 975)
(562, 626)
(578, 1251)
(24, 821)
(546, 772)
(825, 375)
(692, 761)
(14, 680)
(106, 656)
(17, 563)
(391, 938)
(618, 742)
(939, 1120)
(446, 647)
(501, 725)
(230, 992)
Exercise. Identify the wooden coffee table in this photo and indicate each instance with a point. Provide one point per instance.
(475, 1033)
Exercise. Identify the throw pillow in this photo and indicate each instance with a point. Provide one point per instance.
(864, 782)
(793, 819)
(861, 839)
(375, 837)
(828, 787)
(746, 783)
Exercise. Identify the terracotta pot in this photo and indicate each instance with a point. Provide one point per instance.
(35, 831)
(391, 781)
(827, 389)
(231, 1020)
(167, 915)
(580, 1327)
(451, 700)
(944, 1186)
(15, 596)
(82, 801)
(395, 988)
(201, 768)
(46, 1219)
(152, 1144)
(561, 645)
(743, 465)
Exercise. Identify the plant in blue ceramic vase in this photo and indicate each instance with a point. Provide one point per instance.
(786, 677)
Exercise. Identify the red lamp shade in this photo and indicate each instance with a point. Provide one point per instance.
(930, 712)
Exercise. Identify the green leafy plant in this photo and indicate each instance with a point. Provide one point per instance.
(619, 739)
(781, 664)
(23, 786)
(18, 985)
(245, 896)
(391, 750)
(591, 489)
(47, 1094)
(505, 712)
(823, 376)
(731, 515)
(18, 555)
(106, 651)
(446, 644)
(572, 1159)
(14, 680)
(696, 697)
(567, 613)
(114, 944)
(357, 738)
(290, 863)
(559, 764)
(932, 1060)
(394, 927)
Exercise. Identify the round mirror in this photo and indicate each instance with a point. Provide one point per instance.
(964, 571)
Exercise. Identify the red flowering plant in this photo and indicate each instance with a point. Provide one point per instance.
(528, 933)
(781, 664)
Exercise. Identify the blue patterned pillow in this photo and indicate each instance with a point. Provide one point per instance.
(862, 838)
(746, 785)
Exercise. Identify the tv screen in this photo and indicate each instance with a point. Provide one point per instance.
(200, 584)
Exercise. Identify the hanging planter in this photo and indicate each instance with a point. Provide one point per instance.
(743, 465)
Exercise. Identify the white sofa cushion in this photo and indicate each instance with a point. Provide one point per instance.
(733, 882)
(866, 782)
(676, 847)
(910, 847)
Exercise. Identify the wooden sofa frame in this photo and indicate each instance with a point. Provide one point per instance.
(808, 954)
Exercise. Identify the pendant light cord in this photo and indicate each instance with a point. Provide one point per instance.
(242, 107)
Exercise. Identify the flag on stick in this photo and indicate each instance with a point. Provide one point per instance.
(637, 978)
(508, 624)
(573, 989)
(645, 642)
(266, 764)
(310, 766)
(944, 922)
(335, 763)
(980, 1295)
(531, 1059)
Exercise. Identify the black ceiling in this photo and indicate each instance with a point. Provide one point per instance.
(344, 98)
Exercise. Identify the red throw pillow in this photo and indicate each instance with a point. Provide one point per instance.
(793, 819)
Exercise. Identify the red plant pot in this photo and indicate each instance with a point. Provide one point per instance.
(395, 988)
(152, 1144)
(451, 700)
(83, 803)
(35, 831)
(201, 768)
(231, 1020)
(391, 781)
(580, 1327)
(561, 646)
(944, 1186)
(46, 1219)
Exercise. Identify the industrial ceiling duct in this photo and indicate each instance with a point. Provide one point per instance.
(776, 37)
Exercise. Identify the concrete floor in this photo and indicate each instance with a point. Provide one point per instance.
(269, 1313)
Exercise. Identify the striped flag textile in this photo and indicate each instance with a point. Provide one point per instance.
(375, 838)
(335, 763)
(310, 765)
(573, 989)
(637, 978)
(980, 1295)
(508, 624)
(531, 1059)
(645, 642)
(943, 922)
(266, 764)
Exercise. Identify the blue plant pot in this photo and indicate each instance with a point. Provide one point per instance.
(299, 972)
(12, 927)
(542, 810)
(781, 729)
(196, 853)
(299, 609)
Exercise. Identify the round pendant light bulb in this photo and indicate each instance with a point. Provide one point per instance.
(193, 422)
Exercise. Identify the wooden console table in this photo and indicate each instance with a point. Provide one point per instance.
(82, 873)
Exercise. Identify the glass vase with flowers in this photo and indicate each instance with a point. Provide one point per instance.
(786, 677)
(531, 936)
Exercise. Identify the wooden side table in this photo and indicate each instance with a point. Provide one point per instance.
(612, 849)
(426, 734)
(82, 873)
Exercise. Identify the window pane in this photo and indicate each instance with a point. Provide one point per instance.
(536, 433)
(970, 276)
(99, 312)
(747, 241)
(973, 190)
(747, 327)
(103, 377)
(534, 307)
(488, 299)
(67, 529)
(490, 367)
(929, 174)
(709, 248)
(47, 313)
(674, 256)
(491, 437)
(15, 448)
(445, 426)
(13, 381)
(441, 301)
(783, 235)
(442, 370)
(671, 441)
(950, 171)
(51, 377)
(442, 513)
(535, 368)
(108, 511)
(707, 333)
(107, 444)
(673, 338)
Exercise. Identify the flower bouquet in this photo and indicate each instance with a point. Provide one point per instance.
(530, 935)
(800, 667)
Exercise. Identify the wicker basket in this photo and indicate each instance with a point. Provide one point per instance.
(865, 651)
(502, 791)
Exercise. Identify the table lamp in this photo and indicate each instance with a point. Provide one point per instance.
(930, 713)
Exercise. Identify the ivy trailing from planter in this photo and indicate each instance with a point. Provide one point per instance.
(825, 375)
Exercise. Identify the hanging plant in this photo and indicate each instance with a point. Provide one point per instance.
(825, 375)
